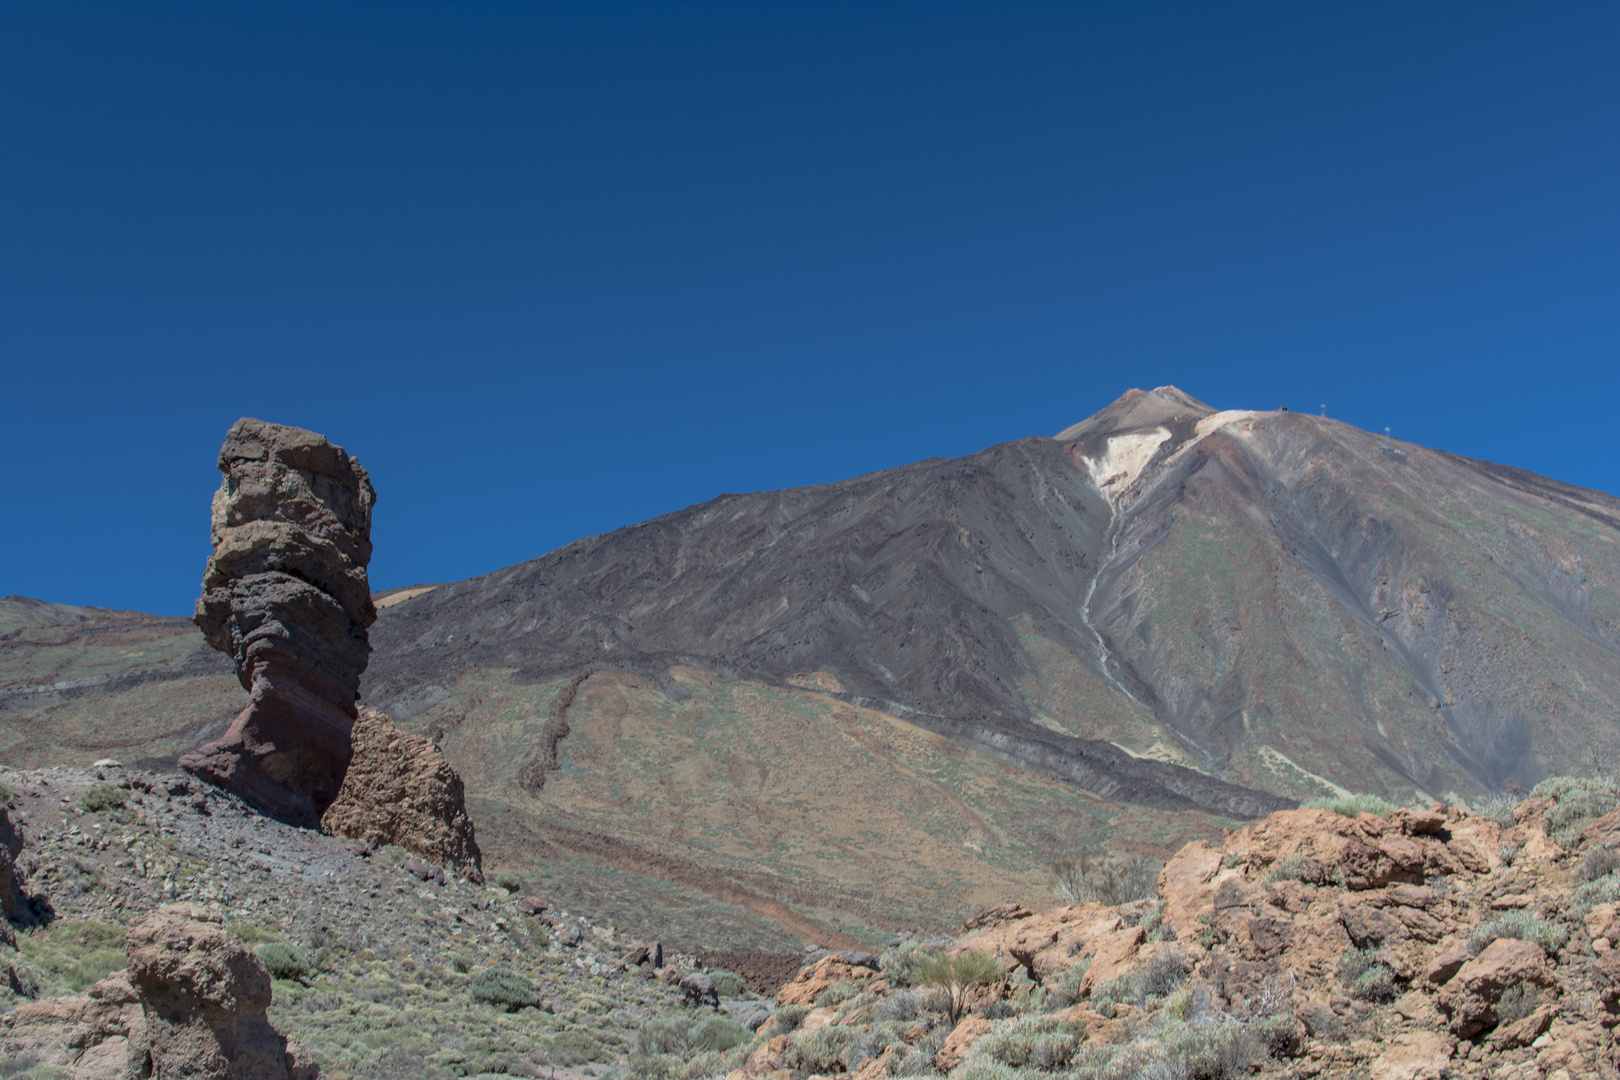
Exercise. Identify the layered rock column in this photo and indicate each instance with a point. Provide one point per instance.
(285, 594)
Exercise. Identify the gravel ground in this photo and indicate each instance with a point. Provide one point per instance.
(391, 956)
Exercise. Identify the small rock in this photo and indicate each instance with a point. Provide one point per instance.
(698, 989)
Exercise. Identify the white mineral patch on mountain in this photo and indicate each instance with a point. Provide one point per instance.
(1124, 460)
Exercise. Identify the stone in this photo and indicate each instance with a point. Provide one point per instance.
(12, 902)
(811, 982)
(421, 871)
(191, 1006)
(533, 905)
(400, 790)
(285, 595)
(957, 1045)
(1469, 999)
(1415, 1055)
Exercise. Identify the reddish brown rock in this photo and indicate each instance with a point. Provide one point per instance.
(11, 898)
(1470, 998)
(969, 1030)
(814, 980)
(400, 790)
(285, 594)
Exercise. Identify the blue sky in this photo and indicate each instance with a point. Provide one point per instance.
(550, 269)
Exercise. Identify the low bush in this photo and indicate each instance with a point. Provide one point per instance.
(822, 1050)
(1522, 925)
(1516, 1003)
(717, 1032)
(728, 984)
(570, 1044)
(1351, 805)
(1111, 881)
(789, 1017)
(1293, 868)
(899, 964)
(900, 1005)
(1366, 977)
(870, 1043)
(282, 960)
(1037, 1042)
(504, 989)
(509, 881)
(101, 797)
(1279, 1034)
(1598, 862)
(1499, 808)
(1605, 890)
(73, 956)
(1578, 802)
(838, 993)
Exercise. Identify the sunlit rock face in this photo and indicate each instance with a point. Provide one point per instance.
(285, 595)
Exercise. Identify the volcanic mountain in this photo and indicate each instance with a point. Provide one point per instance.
(828, 712)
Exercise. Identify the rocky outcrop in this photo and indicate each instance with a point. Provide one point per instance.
(191, 1006)
(285, 594)
(1415, 945)
(400, 790)
(12, 903)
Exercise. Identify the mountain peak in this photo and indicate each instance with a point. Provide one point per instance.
(1138, 409)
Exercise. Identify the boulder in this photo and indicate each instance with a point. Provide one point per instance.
(191, 1006)
(811, 982)
(400, 790)
(12, 903)
(285, 594)
(1470, 997)
(698, 989)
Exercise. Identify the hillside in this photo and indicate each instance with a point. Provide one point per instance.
(833, 712)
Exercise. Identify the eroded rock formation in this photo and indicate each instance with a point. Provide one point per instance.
(191, 1006)
(285, 594)
(400, 790)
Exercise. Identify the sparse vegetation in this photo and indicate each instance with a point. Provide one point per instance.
(1292, 868)
(1366, 977)
(1353, 805)
(1112, 881)
(1522, 925)
(1037, 1042)
(503, 988)
(73, 956)
(789, 1017)
(1578, 802)
(101, 797)
(1605, 890)
(509, 881)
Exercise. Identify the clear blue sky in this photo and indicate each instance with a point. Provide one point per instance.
(548, 269)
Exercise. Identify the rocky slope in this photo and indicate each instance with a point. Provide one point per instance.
(1396, 945)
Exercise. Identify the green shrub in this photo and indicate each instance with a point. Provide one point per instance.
(838, 993)
(899, 964)
(253, 933)
(1113, 881)
(1521, 925)
(1499, 808)
(729, 985)
(900, 1005)
(1598, 862)
(73, 956)
(717, 1032)
(101, 797)
(1038, 1042)
(503, 988)
(282, 961)
(1517, 1002)
(1279, 1034)
(1351, 805)
(956, 975)
(509, 881)
(789, 1017)
(1219, 1051)
(6, 792)
(573, 1043)
(1605, 890)
(662, 1035)
(1366, 977)
(1293, 868)
(822, 1050)
(1578, 802)
(984, 1069)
